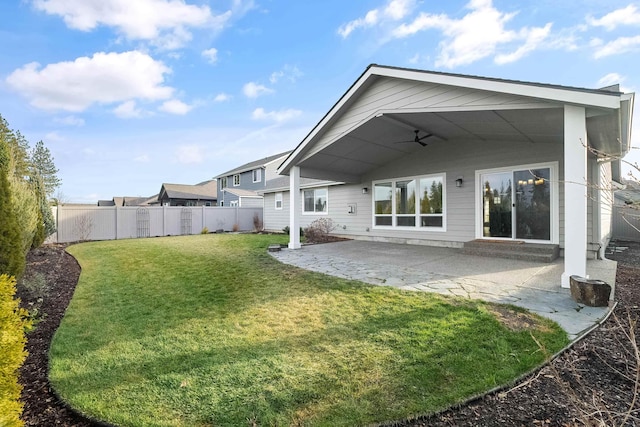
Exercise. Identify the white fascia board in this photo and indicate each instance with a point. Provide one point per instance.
(558, 94)
(302, 187)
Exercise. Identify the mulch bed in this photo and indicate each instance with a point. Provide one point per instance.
(590, 384)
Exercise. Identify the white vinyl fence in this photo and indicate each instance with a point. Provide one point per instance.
(626, 223)
(80, 223)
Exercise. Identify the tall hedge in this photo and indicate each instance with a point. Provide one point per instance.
(12, 256)
(13, 325)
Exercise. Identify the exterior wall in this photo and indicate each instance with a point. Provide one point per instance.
(251, 202)
(407, 96)
(606, 203)
(246, 183)
(76, 223)
(626, 223)
(453, 158)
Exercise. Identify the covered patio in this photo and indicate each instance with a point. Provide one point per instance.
(447, 271)
(483, 142)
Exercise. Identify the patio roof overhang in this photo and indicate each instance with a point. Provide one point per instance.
(535, 115)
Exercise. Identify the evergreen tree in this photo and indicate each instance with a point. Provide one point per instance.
(18, 150)
(42, 165)
(12, 260)
(46, 223)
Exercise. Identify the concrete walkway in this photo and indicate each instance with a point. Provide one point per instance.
(531, 285)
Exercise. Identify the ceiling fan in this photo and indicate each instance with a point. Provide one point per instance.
(417, 139)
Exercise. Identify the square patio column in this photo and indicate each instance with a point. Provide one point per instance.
(294, 208)
(575, 193)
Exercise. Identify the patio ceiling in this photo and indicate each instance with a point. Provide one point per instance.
(376, 142)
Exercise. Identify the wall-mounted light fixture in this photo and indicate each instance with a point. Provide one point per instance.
(365, 190)
(459, 182)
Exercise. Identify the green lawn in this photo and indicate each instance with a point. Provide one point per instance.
(210, 330)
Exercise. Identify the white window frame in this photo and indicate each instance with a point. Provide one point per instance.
(236, 180)
(223, 183)
(278, 198)
(256, 175)
(417, 214)
(554, 194)
(326, 211)
(234, 204)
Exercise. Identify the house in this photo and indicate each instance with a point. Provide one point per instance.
(202, 194)
(240, 186)
(444, 159)
(129, 201)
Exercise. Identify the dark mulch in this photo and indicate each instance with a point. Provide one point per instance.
(592, 383)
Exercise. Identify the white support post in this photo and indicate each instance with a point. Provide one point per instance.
(575, 193)
(294, 208)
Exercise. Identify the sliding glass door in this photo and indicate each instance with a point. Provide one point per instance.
(517, 204)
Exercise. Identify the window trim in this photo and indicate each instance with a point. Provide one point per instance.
(326, 211)
(223, 183)
(234, 180)
(394, 216)
(256, 173)
(278, 199)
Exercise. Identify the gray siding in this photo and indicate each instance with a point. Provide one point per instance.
(454, 158)
(406, 96)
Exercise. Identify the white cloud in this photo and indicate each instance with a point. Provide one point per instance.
(175, 106)
(190, 154)
(288, 72)
(276, 116)
(54, 136)
(128, 110)
(254, 90)
(211, 55)
(394, 10)
(475, 36)
(70, 121)
(222, 97)
(163, 22)
(143, 158)
(626, 16)
(616, 47)
(105, 78)
(534, 38)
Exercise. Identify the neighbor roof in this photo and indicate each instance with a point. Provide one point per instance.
(241, 193)
(254, 164)
(207, 190)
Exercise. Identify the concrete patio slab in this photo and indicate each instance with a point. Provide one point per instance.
(447, 271)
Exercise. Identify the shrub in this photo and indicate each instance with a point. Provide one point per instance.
(25, 206)
(318, 231)
(236, 227)
(286, 231)
(13, 325)
(12, 258)
(257, 222)
(205, 231)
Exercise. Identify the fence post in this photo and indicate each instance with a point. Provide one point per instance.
(116, 231)
(203, 219)
(164, 220)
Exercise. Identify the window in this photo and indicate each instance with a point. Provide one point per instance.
(207, 203)
(415, 202)
(315, 201)
(236, 180)
(223, 183)
(278, 201)
(257, 175)
(234, 203)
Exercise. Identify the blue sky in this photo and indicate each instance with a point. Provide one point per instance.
(128, 94)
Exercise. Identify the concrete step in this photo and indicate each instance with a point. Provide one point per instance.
(537, 252)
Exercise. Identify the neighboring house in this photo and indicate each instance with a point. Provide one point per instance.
(240, 186)
(443, 159)
(129, 201)
(628, 194)
(202, 194)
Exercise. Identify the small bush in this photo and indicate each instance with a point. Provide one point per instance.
(318, 231)
(205, 231)
(257, 222)
(236, 227)
(13, 325)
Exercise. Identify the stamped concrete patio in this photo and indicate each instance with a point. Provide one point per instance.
(531, 285)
